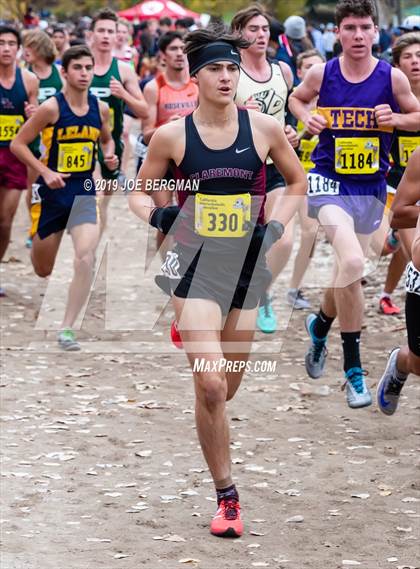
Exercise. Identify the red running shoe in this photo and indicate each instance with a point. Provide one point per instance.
(176, 336)
(227, 521)
(386, 306)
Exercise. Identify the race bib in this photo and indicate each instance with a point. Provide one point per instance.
(412, 281)
(75, 157)
(9, 126)
(35, 198)
(222, 216)
(357, 155)
(406, 147)
(320, 186)
(140, 148)
(306, 148)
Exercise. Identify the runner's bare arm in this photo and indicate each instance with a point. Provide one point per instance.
(31, 83)
(286, 161)
(409, 119)
(404, 209)
(301, 100)
(106, 140)
(415, 249)
(129, 91)
(154, 167)
(45, 115)
(151, 96)
(287, 74)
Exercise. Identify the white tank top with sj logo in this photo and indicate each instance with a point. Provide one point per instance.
(271, 95)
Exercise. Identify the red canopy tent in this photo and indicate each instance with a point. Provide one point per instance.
(156, 9)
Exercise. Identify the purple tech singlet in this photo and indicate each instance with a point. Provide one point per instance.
(352, 156)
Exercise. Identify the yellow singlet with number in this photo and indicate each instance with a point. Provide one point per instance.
(222, 216)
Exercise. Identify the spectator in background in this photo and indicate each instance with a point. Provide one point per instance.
(76, 37)
(165, 25)
(153, 28)
(316, 37)
(276, 30)
(385, 39)
(328, 41)
(411, 24)
(184, 25)
(293, 42)
(60, 37)
(146, 40)
(124, 51)
(387, 54)
(30, 19)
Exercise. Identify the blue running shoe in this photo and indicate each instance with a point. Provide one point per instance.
(358, 394)
(28, 243)
(266, 319)
(389, 386)
(317, 354)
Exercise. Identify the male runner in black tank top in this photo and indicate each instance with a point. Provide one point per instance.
(230, 148)
(405, 360)
(18, 100)
(72, 123)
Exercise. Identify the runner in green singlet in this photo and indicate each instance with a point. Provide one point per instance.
(116, 84)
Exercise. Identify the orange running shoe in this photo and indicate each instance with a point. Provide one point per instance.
(386, 306)
(176, 336)
(227, 521)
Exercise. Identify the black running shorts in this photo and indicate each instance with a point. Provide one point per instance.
(412, 318)
(215, 278)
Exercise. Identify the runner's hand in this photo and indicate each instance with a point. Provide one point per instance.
(55, 180)
(292, 136)
(252, 105)
(164, 217)
(29, 109)
(111, 162)
(384, 115)
(316, 124)
(265, 236)
(117, 88)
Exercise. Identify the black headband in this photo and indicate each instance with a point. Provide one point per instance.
(212, 52)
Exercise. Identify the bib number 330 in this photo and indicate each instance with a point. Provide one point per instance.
(222, 216)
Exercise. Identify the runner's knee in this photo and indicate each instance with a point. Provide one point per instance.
(352, 266)
(42, 269)
(6, 218)
(211, 389)
(84, 261)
